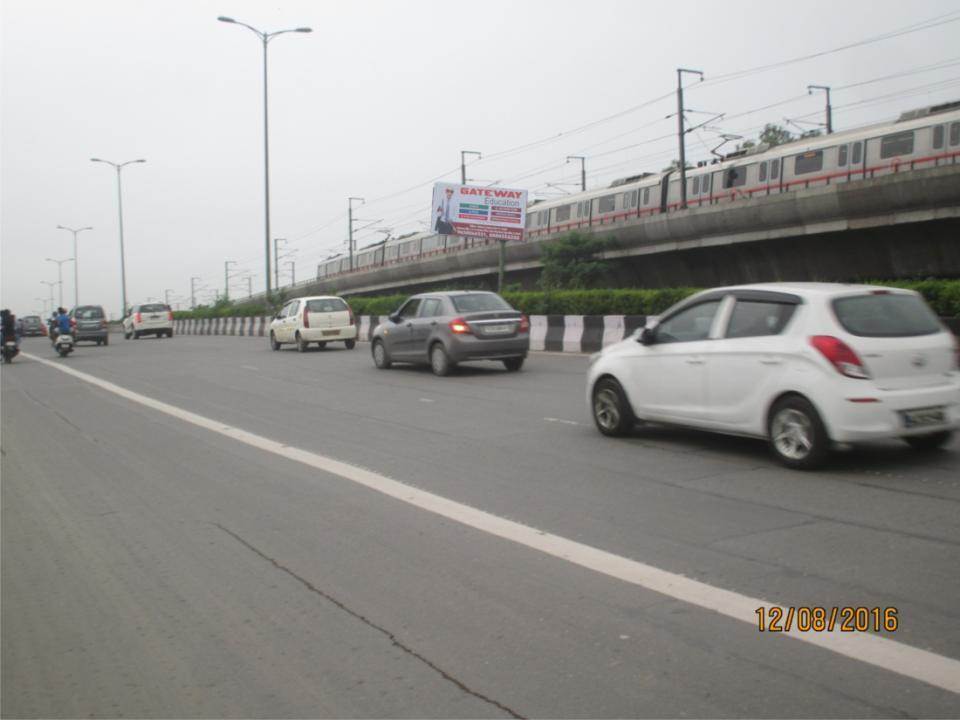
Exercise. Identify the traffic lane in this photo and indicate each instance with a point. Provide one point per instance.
(190, 575)
(740, 522)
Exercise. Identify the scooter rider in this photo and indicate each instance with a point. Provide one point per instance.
(9, 327)
(63, 322)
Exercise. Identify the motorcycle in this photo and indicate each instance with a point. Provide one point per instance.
(64, 344)
(10, 351)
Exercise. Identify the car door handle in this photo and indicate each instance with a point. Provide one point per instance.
(694, 361)
(770, 360)
(434, 323)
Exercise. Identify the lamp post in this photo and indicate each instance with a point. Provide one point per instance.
(60, 275)
(463, 164)
(226, 278)
(826, 89)
(50, 285)
(265, 38)
(76, 262)
(123, 267)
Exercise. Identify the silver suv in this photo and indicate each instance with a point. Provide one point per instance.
(91, 324)
(445, 328)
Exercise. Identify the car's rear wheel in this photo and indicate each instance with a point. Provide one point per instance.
(513, 364)
(126, 335)
(136, 334)
(274, 345)
(381, 358)
(351, 344)
(611, 409)
(439, 360)
(796, 433)
(106, 341)
(322, 344)
(301, 343)
(929, 442)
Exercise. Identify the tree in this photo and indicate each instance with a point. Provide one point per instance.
(571, 262)
(774, 135)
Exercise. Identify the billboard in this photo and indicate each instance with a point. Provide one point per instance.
(482, 212)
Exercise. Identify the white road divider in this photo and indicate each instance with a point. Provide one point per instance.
(882, 652)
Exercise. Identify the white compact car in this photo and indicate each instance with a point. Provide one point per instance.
(317, 320)
(148, 319)
(803, 365)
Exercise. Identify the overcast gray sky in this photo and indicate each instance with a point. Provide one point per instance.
(378, 102)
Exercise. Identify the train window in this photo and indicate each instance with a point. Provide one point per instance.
(937, 137)
(607, 203)
(563, 213)
(775, 168)
(897, 144)
(842, 156)
(955, 133)
(633, 198)
(808, 162)
(857, 154)
(626, 201)
(646, 196)
(763, 172)
(735, 177)
(706, 183)
(696, 186)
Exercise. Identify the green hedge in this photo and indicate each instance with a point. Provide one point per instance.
(942, 295)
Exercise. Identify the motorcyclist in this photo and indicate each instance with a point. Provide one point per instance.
(61, 324)
(9, 326)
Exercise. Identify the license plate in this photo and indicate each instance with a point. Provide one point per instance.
(923, 416)
(328, 333)
(498, 329)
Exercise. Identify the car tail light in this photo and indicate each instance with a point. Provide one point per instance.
(352, 319)
(306, 318)
(840, 355)
(170, 315)
(524, 324)
(138, 318)
(73, 322)
(459, 326)
(103, 323)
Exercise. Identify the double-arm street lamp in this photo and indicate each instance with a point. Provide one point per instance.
(60, 274)
(265, 38)
(76, 262)
(123, 268)
(50, 285)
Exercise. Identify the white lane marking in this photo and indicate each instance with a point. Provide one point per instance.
(931, 668)
(249, 367)
(559, 420)
(426, 400)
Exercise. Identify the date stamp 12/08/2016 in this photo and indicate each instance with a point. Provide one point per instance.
(824, 619)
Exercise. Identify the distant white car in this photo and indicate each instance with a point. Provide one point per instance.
(319, 320)
(148, 319)
(803, 365)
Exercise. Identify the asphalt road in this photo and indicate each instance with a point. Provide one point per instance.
(151, 568)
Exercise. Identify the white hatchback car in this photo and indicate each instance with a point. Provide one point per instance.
(148, 319)
(803, 365)
(319, 319)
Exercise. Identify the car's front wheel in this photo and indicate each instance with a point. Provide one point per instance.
(351, 344)
(439, 360)
(274, 345)
(611, 409)
(380, 357)
(796, 433)
(301, 343)
(929, 442)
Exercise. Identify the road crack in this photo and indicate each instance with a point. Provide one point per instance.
(366, 621)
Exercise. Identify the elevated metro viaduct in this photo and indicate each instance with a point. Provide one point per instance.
(905, 225)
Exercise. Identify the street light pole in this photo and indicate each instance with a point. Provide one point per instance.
(193, 293)
(583, 170)
(826, 89)
(350, 225)
(682, 134)
(50, 285)
(123, 266)
(265, 38)
(60, 274)
(226, 278)
(293, 271)
(76, 263)
(463, 164)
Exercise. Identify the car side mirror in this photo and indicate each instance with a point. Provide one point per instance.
(396, 319)
(647, 336)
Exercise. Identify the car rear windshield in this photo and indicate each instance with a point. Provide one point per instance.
(886, 315)
(90, 312)
(480, 302)
(326, 305)
(32, 319)
(155, 307)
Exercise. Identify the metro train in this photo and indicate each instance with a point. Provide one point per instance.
(923, 138)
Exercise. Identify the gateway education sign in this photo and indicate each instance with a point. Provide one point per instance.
(481, 212)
